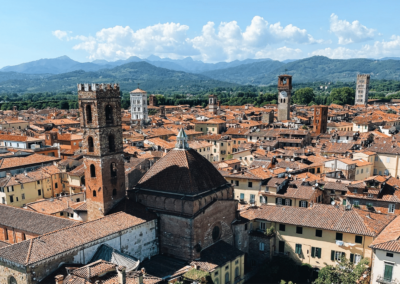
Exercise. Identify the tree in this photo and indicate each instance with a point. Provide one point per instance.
(303, 96)
(343, 272)
(342, 96)
(64, 105)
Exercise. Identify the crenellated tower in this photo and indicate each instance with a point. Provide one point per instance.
(284, 97)
(100, 109)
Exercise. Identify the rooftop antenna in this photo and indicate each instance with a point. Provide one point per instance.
(138, 85)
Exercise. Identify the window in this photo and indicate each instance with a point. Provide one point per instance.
(356, 202)
(114, 192)
(236, 182)
(250, 184)
(388, 272)
(362, 170)
(316, 252)
(39, 192)
(262, 226)
(236, 272)
(38, 182)
(303, 203)
(216, 233)
(387, 160)
(113, 170)
(370, 195)
(282, 227)
(92, 171)
(281, 246)
(391, 208)
(227, 277)
(318, 233)
(252, 198)
(109, 114)
(358, 171)
(337, 255)
(12, 280)
(90, 144)
(288, 202)
(23, 196)
(94, 193)
(375, 171)
(299, 230)
(111, 143)
(5, 234)
(279, 201)
(359, 239)
(298, 249)
(11, 199)
(339, 236)
(261, 246)
(56, 185)
(355, 258)
(89, 114)
(242, 196)
(389, 254)
(263, 199)
(23, 237)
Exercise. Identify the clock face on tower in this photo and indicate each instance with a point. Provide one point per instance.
(283, 94)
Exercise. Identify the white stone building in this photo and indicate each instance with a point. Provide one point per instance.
(139, 105)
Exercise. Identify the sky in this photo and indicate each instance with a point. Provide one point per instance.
(210, 31)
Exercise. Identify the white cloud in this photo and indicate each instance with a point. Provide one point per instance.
(60, 34)
(350, 32)
(378, 50)
(281, 53)
(224, 42)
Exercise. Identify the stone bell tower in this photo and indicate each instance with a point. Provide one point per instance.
(100, 109)
(284, 97)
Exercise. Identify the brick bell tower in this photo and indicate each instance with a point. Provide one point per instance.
(284, 97)
(100, 110)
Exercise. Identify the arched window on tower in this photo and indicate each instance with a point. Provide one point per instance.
(89, 114)
(94, 193)
(92, 171)
(111, 143)
(90, 144)
(113, 169)
(12, 280)
(109, 114)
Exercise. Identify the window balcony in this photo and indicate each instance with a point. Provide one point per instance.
(383, 280)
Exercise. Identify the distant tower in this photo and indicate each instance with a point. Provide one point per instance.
(212, 104)
(139, 105)
(100, 109)
(284, 96)
(362, 89)
(162, 111)
(152, 100)
(320, 123)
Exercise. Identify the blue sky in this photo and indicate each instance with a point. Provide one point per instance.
(211, 31)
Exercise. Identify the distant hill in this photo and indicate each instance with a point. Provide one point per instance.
(151, 78)
(316, 68)
(65, 64)
(244, 74)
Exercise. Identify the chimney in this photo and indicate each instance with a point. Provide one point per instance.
(59, 279)
(121, 274)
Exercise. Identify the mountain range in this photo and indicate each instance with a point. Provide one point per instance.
(186, 75)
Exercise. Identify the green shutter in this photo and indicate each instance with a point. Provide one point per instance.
(333, 255)
(352, 257)
(313, 252)
(319, 252)
(276, 200)
(306, 204)
(388, 272)
(290, 202)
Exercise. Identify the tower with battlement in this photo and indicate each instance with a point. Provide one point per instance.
(212, 104)
(100, 119)
(362, 89)
(284, 97)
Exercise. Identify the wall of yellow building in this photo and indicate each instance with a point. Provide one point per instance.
(218, 275)
(360, 128)
(18, 125)
(245, 189)
(364, 172)
(208, 128)
(327, 243)
(22, 194)
(386, 161)
(245, 157)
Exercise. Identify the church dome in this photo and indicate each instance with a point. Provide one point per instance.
(182, 171)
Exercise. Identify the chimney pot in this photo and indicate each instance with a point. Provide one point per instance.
(121, 274)
(59, 279)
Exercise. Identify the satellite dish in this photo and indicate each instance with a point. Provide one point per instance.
(333, 203)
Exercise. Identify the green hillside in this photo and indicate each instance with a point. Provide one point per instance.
(151, 78)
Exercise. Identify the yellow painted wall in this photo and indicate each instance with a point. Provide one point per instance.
(218, 275)
(245, 189)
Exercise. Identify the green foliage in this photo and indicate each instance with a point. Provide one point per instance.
(303, 96)
(270, 231)
(342, 96)
(304, 127)
(343, 272)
